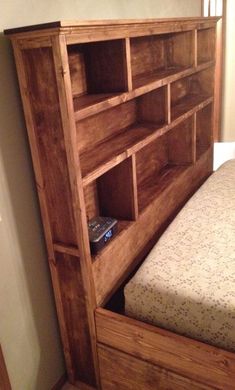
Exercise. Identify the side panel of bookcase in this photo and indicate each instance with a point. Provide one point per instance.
(38, 83)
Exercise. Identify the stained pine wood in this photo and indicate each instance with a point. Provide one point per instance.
(74, 307)
(86, 287)
(105, 22)
(119, 116)
(191, 91)
(200, 362)
(90, 104)
(180, 143)
(117, 192)
(206, 45)
(141, 374)
(41, 80)
(204, 126)
(4, 378)
(108, 275)
(160, 53)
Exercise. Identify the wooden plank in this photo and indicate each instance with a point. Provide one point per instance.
(128, 70)
(44, 41)
(219, 72)
(131, 245)
(88, 350)
(204, 127)
(4, 378)
(75, 312)
(141, 374)
(41, 79)
(32, 133)
(201, 362)
(69, 250)
(104, 22)
(194, 138)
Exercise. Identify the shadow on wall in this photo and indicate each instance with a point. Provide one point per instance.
(17, 168)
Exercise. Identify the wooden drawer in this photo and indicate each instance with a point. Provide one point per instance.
(133, 352)
(119, 370)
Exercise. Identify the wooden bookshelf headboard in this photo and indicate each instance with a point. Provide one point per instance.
(120, 122)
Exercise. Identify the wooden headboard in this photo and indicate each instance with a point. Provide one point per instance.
(119, 116)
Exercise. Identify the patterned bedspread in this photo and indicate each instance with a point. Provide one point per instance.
(187, 282)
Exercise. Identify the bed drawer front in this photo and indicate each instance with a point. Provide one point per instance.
(188, 358)
(119, 370)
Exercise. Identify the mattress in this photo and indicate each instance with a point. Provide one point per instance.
(187, 282)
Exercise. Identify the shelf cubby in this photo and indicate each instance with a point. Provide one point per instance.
(113, 194)
(98, 71)
(108, 138)
(204, 125)
(163, 160)
(189, 92)
(205, 45)
(158, 56)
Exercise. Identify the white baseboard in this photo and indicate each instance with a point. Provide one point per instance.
(223, 151)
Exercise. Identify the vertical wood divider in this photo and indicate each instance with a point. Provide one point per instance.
(194, 139)
(135, 189)
(168, 103)
(69, 128)
(128, 64)
(43, 204)
(195, 48)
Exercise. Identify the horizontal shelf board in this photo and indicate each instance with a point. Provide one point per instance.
(113, 150)
(92, 103)
(67, 249)
(189, 102)
(149, 78)
(151, 188)
(87, 105)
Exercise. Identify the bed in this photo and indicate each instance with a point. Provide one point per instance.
(187, 282)
(185, 287)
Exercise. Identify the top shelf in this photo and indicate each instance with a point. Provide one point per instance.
(109, 72)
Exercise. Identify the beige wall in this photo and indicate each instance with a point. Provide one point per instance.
(228, 107)
(28, 326)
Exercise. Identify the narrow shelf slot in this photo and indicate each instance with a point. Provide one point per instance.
(157, 56)
(205, 45)
(152, 187)
(118, 132)
(113, 195)
(163, 160)
(98, 71)
(203, 130)
(191, 91)
(186, 104)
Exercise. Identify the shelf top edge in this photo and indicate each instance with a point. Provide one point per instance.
(65, 24)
